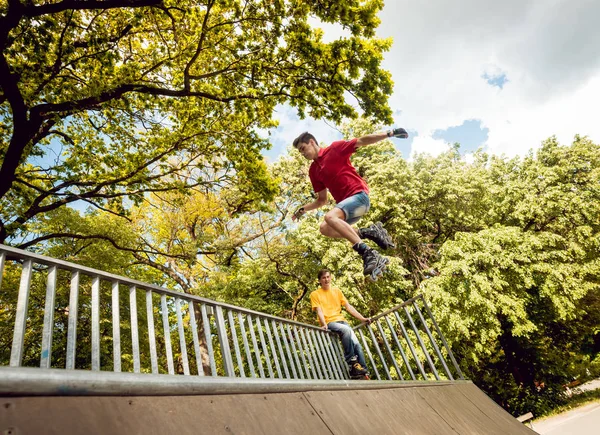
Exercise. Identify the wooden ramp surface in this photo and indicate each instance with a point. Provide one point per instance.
(441, 409)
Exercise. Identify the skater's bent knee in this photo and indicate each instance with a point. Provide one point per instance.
(345, 330)
(335, 213)
(324, 228)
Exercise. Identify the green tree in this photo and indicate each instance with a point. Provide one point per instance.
(518, 297)
(104, 102)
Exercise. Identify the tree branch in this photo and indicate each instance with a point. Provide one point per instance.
(53, 8)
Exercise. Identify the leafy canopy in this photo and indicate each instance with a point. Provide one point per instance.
(107, 101)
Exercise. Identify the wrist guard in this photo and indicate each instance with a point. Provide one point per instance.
(299, 213)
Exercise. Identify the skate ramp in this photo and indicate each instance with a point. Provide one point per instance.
(452, 408)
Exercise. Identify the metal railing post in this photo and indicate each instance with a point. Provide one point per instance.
(135, 339)
(246, 346)
(287, 344)
(368, 351)
(422, 344)
(116, 327)
(292, 337)
(315, 354)
(72, 322)
(404, 358)
(327, 355)
(433, 343)
(196, 338)
(46, 358)
(327, 369)
(376, 345)
(334, 343)
(309, 357)
(96, 323)
(182, 342)
(437, 328)
(263, 345)
(280, 348)
(387, 346)
(208, 337)
(319, 354)
(236, 345)
(224, 342)
(272, 347)
(151, 332)
(167, 334)
(2, 259)
(261, 370)
(410, 345)
(16, 354)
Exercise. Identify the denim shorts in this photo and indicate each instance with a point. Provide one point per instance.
(355, 206)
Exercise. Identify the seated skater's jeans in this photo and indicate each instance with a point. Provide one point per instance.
(349, 342)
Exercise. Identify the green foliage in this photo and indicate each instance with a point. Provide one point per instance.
(106, 103)
(505, 250)
(519, 296)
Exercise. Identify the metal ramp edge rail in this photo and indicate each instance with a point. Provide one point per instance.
(31, 381)
(84, 320)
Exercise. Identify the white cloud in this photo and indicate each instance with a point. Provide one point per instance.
(548, 51)
(427, 144)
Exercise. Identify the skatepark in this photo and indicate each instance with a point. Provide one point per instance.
(241, 372)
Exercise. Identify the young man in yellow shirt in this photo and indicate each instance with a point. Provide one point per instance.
(328, 302)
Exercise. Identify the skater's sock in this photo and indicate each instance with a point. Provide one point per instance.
(360, 247)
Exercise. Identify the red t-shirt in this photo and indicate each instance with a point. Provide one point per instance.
(333, 170)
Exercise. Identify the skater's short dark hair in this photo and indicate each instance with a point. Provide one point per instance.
(323, 272)
(304, 137)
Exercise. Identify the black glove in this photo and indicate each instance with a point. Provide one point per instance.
(298, 213)
(398, 132)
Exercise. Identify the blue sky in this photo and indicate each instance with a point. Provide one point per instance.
(503, 76)
(469, 134)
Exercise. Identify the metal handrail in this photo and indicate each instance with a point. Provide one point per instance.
(73, 267)
(26, 381)
(385, 348)
(226, 341)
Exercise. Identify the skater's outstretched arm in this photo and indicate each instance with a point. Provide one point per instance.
(317, 203)
(355, 313)
(370, 139)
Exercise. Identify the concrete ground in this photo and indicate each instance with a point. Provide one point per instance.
(591, 385)
(581, 421)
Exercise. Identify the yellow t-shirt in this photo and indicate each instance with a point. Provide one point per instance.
(331, 302)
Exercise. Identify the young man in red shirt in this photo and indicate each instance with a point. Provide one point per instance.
(332, 170)
(328, 301)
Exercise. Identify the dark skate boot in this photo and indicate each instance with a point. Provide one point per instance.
(374, 264)
(357, 371)
(378, 234)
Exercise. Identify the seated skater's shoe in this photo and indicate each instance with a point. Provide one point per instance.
(357, 371)
(378, 234)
